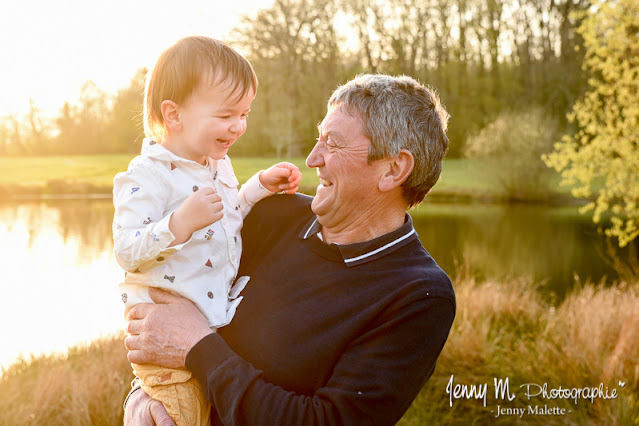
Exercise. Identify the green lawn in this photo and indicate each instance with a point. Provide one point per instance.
(461, 178)
(37, 171)
(100, 169)
(95, 173)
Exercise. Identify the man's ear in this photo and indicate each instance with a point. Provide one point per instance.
(171, 115)
(397, 171)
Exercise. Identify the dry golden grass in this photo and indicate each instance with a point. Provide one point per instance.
(86, 386)
(502, 330)
(506, 330)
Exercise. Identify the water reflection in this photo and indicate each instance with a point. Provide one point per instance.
(548, 245)
(59, 275)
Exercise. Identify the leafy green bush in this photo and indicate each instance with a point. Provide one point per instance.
(513, 145)
(601, 159)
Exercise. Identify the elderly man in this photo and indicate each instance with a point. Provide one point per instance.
(345, 313)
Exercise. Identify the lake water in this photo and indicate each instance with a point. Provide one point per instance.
(59, 276)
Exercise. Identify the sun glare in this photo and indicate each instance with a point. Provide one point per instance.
(51, 49)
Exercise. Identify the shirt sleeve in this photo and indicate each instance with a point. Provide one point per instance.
(140, 228)
(251, 192)
(374, 381)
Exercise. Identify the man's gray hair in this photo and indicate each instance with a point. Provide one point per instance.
(399, 113)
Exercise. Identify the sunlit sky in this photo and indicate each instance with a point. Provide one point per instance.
(49, 49)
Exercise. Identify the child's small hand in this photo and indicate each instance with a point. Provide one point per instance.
(200, 209)
(281, 177)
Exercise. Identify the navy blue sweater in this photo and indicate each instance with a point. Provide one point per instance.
(326, 334)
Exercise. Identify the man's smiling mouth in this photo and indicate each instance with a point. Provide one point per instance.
(324, 182)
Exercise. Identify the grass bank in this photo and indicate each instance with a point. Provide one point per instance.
(503, 330)
(29, 177)
(24, 177)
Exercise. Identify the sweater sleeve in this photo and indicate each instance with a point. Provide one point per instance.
(140, 227)
(373, 382)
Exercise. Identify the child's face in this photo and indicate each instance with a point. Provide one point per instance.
(212, 120)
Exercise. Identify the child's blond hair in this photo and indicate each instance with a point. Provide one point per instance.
(180, 69)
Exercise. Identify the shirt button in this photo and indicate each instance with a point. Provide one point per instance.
(210, 294)
(235, 239)
(195, 188)
(160, 259)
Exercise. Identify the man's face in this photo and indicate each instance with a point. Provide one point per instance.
(348, 184)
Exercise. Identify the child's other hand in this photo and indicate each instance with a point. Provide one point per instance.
(281, 177)
(200, 209)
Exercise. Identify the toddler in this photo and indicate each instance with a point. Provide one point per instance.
(178, 213)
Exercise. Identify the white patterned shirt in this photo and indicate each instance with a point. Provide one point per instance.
(204, 268)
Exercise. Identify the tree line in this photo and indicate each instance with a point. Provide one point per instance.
(484, 57)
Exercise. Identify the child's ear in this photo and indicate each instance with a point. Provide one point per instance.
(397, 171)
(171, 115)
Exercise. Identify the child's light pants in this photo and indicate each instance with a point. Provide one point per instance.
(181, 394)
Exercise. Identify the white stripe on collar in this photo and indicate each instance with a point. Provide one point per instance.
(309, 228)
(392, 243)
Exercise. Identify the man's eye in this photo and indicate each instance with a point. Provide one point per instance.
(328, 143)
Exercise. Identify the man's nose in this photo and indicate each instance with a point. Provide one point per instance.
(315, 158)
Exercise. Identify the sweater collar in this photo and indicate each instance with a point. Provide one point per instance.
(358, 253)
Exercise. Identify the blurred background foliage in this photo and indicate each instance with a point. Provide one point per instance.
(483, 56)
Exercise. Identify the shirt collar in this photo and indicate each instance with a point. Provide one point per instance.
(358, 253)
(155, 150)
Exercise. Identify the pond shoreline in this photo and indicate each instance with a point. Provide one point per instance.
(60, 189)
